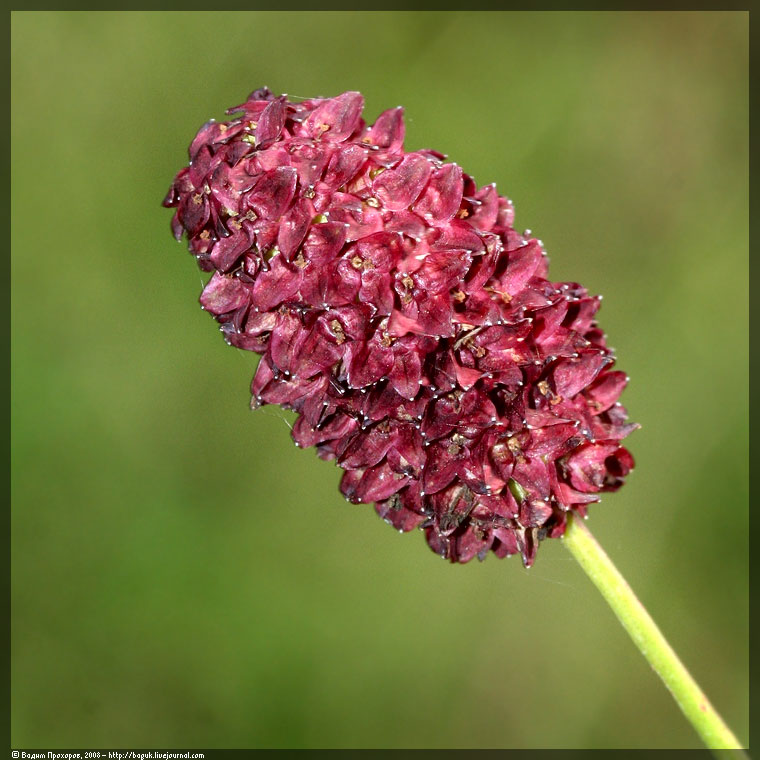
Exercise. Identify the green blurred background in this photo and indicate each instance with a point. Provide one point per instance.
(182, 575)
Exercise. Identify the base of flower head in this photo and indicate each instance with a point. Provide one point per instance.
(464, 529)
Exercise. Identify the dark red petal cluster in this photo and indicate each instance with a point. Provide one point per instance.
(400, 314)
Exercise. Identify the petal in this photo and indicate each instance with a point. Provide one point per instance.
(506, 216)
(395, 512)
(349, 484)
(548, 319)
(228, 250)
(193, 212)
(317, 355)
(388, 130)
(477, 309)
(379, 483)
(261, 323)
(581, 313)
(263, 376)
(223, 294)
(534, 513)
(382, 401)
(587, 467)
(431, 316)
(309, 160)
(353, 319)
(554, 440)
(270, 123)
(273, 192)
(467, 377)
(484, 213)
(562, 342)
(367, 363)
(442, 196)
(213, 133)
(406, 223)
(331, 284)
(398, 188)
(285, 391)
(440, 468)
(360, 221)
(277, 284)
(407, 454)
(201, 166)
(519, 266)
(381, 250)
(456, 234)
(376, 290)
(344, 165)
(606, 390)
(438, 543)
(571, 376)
(473, 542)
(294, 226)
(440, 272)
(366, 449)
(286, 341)
(177, 228)
(534, 477)
(335, 119)
(405, 376)
(453, 508)
(180, 186)
(528, 545)
(228, 183)
(399, 325)
(505, 542)
(339, 426)
(324, 242)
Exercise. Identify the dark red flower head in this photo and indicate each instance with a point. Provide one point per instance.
(400, 314)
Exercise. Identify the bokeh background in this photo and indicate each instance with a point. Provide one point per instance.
(183, 576)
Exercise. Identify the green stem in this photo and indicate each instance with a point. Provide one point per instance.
(647, 636)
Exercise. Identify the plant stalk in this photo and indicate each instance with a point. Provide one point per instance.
(649, 639)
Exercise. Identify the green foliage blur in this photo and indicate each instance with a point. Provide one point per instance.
(183, 576)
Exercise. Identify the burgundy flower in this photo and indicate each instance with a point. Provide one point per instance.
(400, 314)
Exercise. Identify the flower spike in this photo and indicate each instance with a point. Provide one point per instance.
(412, 329)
